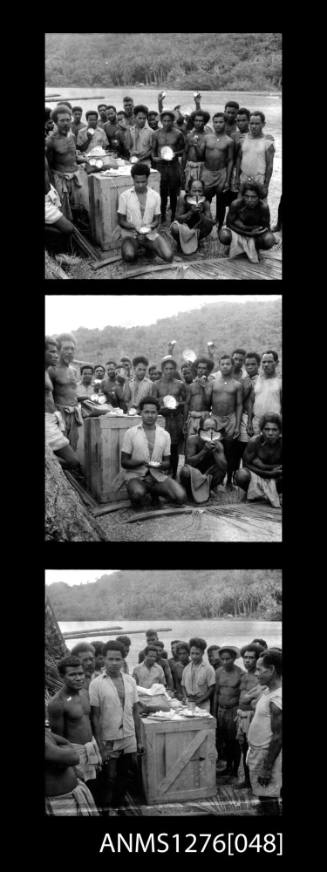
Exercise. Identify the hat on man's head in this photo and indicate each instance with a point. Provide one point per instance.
(168, 112)
(231, 650)
(205, 115)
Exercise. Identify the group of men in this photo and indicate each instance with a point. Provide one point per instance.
(222, 420)
(230, 160)
(93, 729)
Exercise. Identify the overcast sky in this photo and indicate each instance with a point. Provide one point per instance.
(75, 576)
(70, 312)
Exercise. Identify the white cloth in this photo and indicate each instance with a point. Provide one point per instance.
(52, 206)
(129, 207)
(260, 732)
(89, 760)
(54, 427)
(259, 738)
(266, 399)
(253, 160)
(136, 444)
(244, 436)
(242, 245)
(262, 487)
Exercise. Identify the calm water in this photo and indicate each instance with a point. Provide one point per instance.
(221, 632)
(212, 101)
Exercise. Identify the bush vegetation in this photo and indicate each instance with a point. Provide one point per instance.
(183, 61)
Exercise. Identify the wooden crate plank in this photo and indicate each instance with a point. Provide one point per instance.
(181, 761)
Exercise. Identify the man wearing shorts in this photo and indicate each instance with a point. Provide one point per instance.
(116, 724)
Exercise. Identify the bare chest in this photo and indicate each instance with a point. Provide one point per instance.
(77, 706)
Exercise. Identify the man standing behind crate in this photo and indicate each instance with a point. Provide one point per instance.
(198, 679)
(116, 724)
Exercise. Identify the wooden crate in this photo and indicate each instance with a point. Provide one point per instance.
(104, 195)
(180, 760)
(103, 439)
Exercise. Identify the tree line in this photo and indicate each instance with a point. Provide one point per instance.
(184, 61)
(181, 595)
(255, 326)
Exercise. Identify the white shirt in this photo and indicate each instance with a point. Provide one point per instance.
(260, 732)
(267, 396)
(116, 722)
(129, 207)
(136, 444)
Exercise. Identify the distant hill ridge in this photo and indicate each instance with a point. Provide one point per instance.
(182, 61)
(252, 325)
(161, 594)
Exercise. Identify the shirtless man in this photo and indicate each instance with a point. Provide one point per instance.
(206, 456)
(230, 115)
(243, 121)
(170, 175)
(192, 161)
(218, 155)
(252, 363)
(248, 223)
(68, 178)
(187, 373)
(54, 424)
(231, 111)
(86, 654)
(262, 461)
(225, 396)
(65, 379)
(197, 402)
(65, 794)
(112, 389)
(238, 358)
(170, 385)
(69, 716)
(225, 705)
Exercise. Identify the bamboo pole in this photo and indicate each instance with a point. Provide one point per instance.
(94, 632)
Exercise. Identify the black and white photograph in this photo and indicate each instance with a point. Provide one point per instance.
(163, 156)
(163, 692)
(161, 682)
(163, 418)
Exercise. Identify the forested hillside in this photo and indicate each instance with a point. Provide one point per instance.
(182, 594)
(255, 326)
(207, 61)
